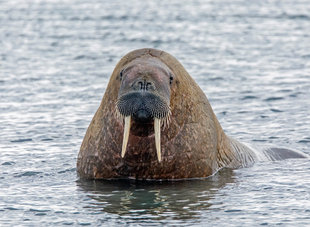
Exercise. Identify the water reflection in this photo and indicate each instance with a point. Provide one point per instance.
(177, 200)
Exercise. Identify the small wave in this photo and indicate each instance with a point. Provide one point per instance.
(297, 16)
(8, 163)
(67, 170)
(259, 140)
(280, 16)
(306, 56)
(270, 99)
(28, 174)
(21, 140)
(305, 140)
(47, 139)
(11, 208)
(249, 97)
(216, 78)
(233, 211)
(80, 57)
(276, 110)
(81, 18)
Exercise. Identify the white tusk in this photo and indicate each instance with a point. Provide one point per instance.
(157, 137)
(126, 135)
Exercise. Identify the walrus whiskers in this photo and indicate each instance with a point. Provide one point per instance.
(166, 120)
(117, 114)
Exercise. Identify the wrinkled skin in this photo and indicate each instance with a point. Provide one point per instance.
(193, 144)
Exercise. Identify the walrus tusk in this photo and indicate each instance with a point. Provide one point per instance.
(157, 137)
(126, 135)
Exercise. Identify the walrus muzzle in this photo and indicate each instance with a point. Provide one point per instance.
(143, 107)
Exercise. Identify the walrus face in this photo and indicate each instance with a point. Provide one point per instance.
(144, 98)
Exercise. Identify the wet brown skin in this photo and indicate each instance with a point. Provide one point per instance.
(193, 145)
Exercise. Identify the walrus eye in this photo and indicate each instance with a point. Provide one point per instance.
(121, 75)
(171, 79)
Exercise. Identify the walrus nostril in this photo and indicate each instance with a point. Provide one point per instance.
(142, 116)
(143, 85)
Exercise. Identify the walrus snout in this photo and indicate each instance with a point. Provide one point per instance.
(143, 107)
(142, 116)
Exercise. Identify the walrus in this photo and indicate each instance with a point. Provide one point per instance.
(154, 122)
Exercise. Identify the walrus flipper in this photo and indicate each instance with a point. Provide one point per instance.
(275, 153)
(248, 154)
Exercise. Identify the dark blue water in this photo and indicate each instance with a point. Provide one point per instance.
(251, 58)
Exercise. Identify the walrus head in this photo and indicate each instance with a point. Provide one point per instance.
(144, 99)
